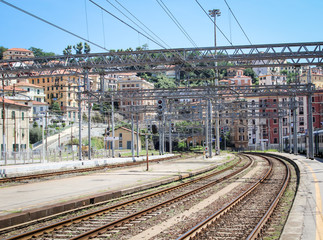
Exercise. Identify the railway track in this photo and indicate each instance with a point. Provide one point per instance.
(121, 215)
(80, 170)
(245, 217)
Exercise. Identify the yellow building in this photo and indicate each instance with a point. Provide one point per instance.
(63, 90)
(124, 141)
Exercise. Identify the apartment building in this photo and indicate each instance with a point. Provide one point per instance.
(16, 125)
(63, 90)
(133, 84)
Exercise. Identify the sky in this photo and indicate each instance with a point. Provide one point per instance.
(264, 22)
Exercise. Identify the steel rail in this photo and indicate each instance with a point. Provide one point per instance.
(100, 230)
(257, 231)
(58, 225)
(191, 233)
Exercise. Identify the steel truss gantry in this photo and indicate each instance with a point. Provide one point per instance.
(214, 92)
(185, 59)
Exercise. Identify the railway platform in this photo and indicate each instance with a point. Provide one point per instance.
(305, 220)
(35, 200)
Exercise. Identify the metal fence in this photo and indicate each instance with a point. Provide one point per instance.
(37, 156)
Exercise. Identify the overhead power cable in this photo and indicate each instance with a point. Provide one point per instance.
(87, 23)
(177, 23)
(213, 22)
(142, 23)
(132, 20)
(52, 24)
(126, 23)
(238, 22)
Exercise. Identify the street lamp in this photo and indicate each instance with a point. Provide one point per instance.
(215, 13)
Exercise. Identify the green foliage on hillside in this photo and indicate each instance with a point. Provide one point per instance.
(2, 49)
(38, 52)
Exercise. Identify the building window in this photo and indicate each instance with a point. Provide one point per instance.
(275, 130)
(22, 116)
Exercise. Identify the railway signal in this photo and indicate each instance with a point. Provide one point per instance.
(172, 125)
(160, 105)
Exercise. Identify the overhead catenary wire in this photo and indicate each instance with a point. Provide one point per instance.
(105, 10)
(52, 24)
(237, 22)
(214, 22)
(132, 21)
(142, 23)
(103, 28)
(86, 20)
(177, 23)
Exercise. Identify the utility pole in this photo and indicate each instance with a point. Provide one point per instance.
(132, 139)
(290, 126)
(170, 136)
(46, 124)
(216, 13)
(112, 126)
(207, 130)
(210, 127)
(3, 126)
(280, 129)
(138, 135)
(80, 118)
(295, 126)
(89, 112)
(310, 117)
(43, 138)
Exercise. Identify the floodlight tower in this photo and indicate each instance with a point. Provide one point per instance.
(216, 13)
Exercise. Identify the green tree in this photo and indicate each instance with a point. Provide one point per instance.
(35, 135)
(87, 48)
(35, 124)
(251, 73)
(78, 48)
(40, 53)
(2, 49)
(164, 82)
(55, 108)
(67, 50)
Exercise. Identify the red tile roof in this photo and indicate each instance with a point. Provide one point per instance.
(19, 49)
(39, 103)
(11, 88)
(24, 84)
(11, 102)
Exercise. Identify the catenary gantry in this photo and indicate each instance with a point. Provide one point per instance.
(186, 59)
